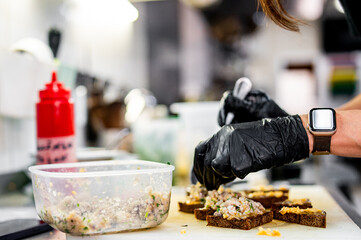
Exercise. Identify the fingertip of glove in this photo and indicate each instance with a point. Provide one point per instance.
(222, 169)
(241, 174)
(211, 187)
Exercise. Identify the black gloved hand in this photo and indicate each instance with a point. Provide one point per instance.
(238, 149)
(255, 106)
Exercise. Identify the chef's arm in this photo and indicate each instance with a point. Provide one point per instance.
(354, 103)
(346, 141)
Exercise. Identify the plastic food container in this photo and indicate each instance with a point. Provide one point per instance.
(102, 197)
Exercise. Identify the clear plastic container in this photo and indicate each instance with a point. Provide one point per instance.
(102, 197)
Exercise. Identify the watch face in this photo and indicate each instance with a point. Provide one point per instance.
(323, 120)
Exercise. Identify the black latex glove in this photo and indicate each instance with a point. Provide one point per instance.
(255, 106)
(238, 149)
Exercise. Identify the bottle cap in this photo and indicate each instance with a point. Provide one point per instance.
(54, 90)
(55, 111)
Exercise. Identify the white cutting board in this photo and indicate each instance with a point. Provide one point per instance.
(339, 225)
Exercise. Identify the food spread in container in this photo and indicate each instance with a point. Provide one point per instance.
(102, 197)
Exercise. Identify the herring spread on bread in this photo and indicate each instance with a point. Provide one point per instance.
(216, 197)
(195, 198)
(239, 208)
(196, 194)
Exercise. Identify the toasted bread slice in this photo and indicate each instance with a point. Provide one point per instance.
(213, 201)
(195, 198)
(309, 217)
(268, 201)
(245, 224)
(268, 198)
(300, 203)
(189, 207)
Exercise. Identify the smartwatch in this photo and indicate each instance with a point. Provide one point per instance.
(322, 125)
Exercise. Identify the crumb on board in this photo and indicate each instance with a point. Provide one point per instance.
(183, 231)
(268, 232)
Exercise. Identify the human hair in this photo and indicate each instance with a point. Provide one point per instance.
(274, 10)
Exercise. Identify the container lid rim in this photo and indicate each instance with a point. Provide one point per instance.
(158, 168)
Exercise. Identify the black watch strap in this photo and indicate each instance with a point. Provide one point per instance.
(321, 145)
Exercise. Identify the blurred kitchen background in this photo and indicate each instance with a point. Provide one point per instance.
(147, 76)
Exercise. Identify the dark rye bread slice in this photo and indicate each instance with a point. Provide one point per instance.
(277, 206)
(309, 219)
(245, 224)
(267, 201)
(189, 208)
(201, 213)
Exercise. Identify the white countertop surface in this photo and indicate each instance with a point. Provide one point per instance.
(339, 225)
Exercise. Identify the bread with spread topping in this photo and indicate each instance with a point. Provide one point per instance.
(269, 197)
(310, 216)
(213, 201)
(195, 198)
(266, 188)
(300, 203)
(241, 213)
(245, 224)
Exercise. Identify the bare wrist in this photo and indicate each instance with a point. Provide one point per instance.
(304, 119)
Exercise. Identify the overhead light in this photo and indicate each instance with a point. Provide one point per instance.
(310, 10)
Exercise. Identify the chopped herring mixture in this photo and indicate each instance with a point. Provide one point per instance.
(239, 208)
(196, 194)
(107, 215)
(216, 197)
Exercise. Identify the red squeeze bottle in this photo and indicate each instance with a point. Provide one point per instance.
(55, 124)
